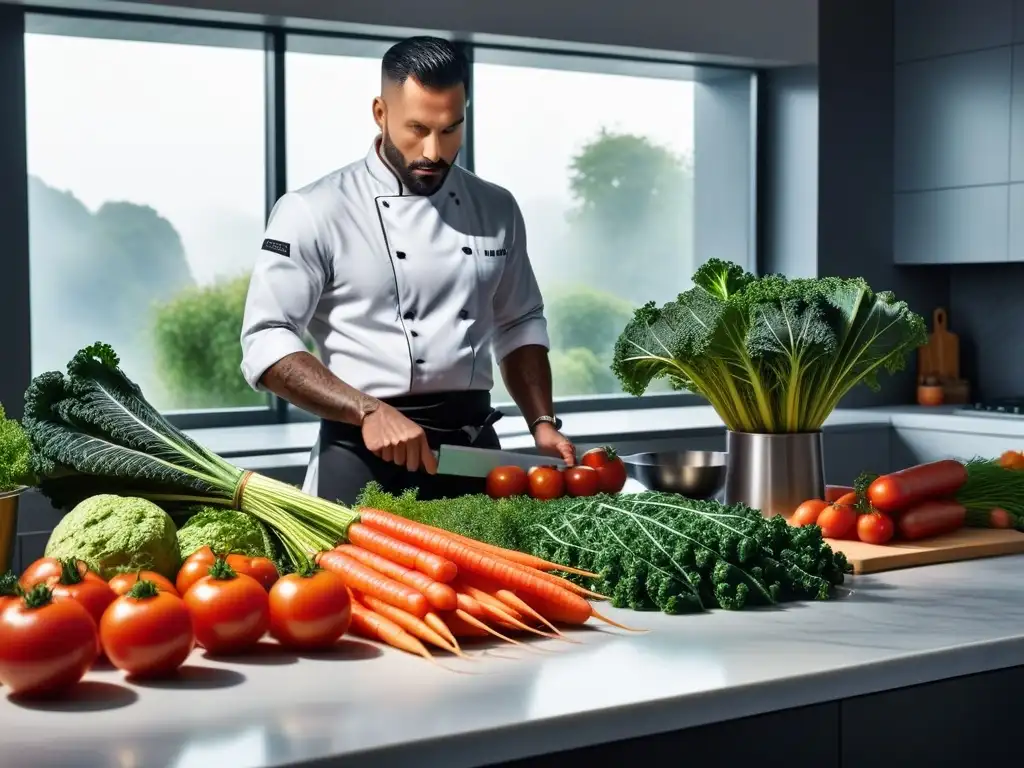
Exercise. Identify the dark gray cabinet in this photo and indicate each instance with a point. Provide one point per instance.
(926, 28)
(952, 121)
(969, 225)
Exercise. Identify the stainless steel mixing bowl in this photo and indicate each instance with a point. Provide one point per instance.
(696, 474)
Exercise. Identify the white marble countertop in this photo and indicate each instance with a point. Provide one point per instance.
(386, 709)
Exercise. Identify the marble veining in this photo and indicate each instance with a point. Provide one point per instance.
(383, 708)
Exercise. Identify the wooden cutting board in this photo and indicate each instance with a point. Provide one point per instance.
(940, 357)
(966, 544)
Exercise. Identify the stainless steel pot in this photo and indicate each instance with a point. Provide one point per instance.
(696, 474)
(774, 473)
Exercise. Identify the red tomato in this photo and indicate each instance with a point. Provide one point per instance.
(847, 500)
(125, 581)
(1000, 518)
(230, 611)
(259, 568)
(95, 595)
(808, 512)
(147, 632)
(838, 521)
(611, 472)
(196, 566)
(46, 647)
(874, 528)
(546, 482)
(834, 493)
(503, 482)
(581, 481)
(48, 569)
(309, 610)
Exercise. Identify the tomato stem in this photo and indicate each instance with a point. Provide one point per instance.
(306, 568)
(39, 596)
(143, 590)
(70, 573)
(221, 571)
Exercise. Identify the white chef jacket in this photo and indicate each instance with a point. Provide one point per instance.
(402, 293)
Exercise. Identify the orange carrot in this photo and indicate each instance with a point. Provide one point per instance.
(475, 622)
(496, 610)
(459, 627)
(510, 600)
(414, 626)
(437, 624)
(483, 595)
(358, 576)
(513, 600)
(470, 606)
(440, 596)
(474, 561)
(434, 566)
(558, 581)
(373, 626)
(530, 561)
(558, 612)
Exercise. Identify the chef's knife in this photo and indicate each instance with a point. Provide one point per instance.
(478, 462)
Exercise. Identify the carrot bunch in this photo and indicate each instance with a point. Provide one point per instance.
(415, 585)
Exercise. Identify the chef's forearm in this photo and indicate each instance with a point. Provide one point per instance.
(308, 384)
(527, 375)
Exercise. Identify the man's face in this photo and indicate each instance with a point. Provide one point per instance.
(421, 131)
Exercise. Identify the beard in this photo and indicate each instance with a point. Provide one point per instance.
(418, 185)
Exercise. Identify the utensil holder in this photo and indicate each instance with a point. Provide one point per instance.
(8, 527)
(774, 473)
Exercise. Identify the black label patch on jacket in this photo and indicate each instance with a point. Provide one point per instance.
(276, 246)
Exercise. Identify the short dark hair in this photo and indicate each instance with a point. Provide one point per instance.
(433, 61)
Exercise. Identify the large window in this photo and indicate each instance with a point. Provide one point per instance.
(146, 201)
(331, 85)
(154, 150)
(605, 168)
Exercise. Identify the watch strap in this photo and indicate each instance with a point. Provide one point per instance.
(552, 420)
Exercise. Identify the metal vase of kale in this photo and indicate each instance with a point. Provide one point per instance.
(774, 473)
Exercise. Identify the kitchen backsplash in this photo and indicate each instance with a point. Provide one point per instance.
(986, 309)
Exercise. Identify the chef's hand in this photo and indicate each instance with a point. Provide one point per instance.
(395, 438)
(551, 442)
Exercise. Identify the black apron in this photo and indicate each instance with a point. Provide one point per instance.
(455, 418)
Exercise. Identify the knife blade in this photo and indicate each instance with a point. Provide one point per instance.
(478, 462)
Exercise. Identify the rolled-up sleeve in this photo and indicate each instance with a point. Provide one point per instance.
(284, 290)
(518, 305)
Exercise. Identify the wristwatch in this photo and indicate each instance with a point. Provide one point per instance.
(552, 420)
(367, 405)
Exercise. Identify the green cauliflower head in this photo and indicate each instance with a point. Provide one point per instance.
(225, 531)
(117, 534)
(15, 454)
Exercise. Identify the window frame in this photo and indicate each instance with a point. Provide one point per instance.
(16, 20)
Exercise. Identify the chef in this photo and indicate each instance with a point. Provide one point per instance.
(411, 275)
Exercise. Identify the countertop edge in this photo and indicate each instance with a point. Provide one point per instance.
(550, 735)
